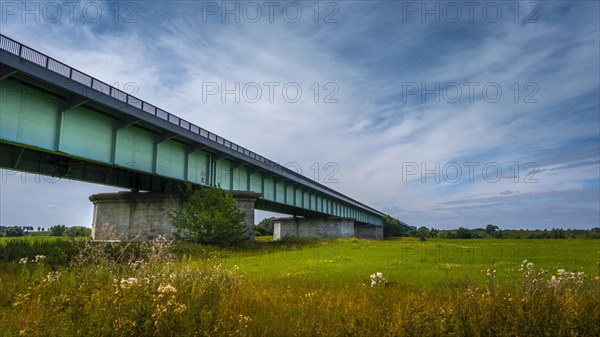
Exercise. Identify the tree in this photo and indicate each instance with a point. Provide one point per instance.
(557, 233)
(393, 227)
(13, 231)
(210, 216)
(265, 227)
(491, 230)
(433, 233)
(422, 233)
(57, 230)
(77, 231)
(463, 233)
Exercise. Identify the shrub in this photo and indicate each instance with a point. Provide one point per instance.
(77, 231)
(13, 231)
(393, 227)
(57, 230)
(210, 216)
(265, 227)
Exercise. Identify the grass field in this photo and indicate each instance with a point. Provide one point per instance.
(438, 287)
(411, 261)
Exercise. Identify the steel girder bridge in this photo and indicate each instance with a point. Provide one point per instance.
(59, 121)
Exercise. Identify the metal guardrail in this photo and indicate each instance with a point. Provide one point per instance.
(58, 67)
(45, 61)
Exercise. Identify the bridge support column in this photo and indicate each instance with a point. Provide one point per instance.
(370, 232)
(330, 227)
(142, 216)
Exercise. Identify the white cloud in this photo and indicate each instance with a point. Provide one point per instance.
(372, 131)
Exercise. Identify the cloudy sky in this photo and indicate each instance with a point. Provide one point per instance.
(441, 114)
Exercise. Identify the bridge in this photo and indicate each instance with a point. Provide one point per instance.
(56, 120)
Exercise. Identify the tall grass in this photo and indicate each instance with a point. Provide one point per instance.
(117, 290)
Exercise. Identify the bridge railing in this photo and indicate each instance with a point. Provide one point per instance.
(45, 61)
(58, 67)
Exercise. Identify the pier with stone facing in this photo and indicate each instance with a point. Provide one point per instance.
(328, 227)
(142, 216)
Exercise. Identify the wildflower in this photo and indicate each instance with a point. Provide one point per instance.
(166, 289)
(523, 264)
(178, 307)
(23, 260)
(40, 258)
(565, 278)
(377, 279)
(53, 276)
(127, 283)
(137, 264)
(490, 272)
(310, 295)
(244, 320)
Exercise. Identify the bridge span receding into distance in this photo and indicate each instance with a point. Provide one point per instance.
(56, 120)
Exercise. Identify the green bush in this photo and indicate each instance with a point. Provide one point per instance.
(393, 227)
(57, 230)
(77, 231)
(57, 251)
(13, 231)
(265, 227)
(210, 216)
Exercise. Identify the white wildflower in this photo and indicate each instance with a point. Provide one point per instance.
(129, 282)
(23, 260)
(53, 276)
(244, 320)
(377, 279)
(166, 289)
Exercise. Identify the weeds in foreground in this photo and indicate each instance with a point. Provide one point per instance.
(141, 290)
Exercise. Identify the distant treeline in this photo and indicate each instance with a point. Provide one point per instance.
(58, 230)
(395, 228)
(481, 233)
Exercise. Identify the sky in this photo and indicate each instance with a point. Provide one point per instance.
(439, 113)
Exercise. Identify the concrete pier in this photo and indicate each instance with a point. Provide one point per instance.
(142, 216)
(335, 227)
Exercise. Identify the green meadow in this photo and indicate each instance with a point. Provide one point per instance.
(409, 261)
(337, 287)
